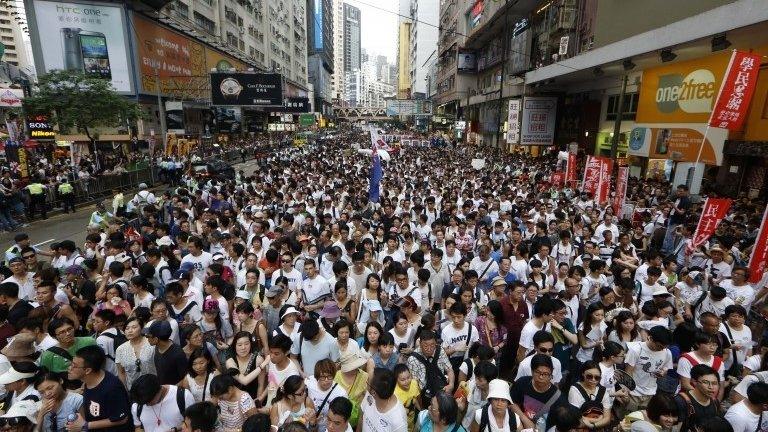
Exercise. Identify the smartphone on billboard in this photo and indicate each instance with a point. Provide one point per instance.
(73, 57)
(93, 47)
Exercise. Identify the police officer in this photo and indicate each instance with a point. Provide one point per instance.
(67, 194)
(37, 198)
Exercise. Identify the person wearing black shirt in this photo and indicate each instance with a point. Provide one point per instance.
(105, 401)
(170, 361)
(678, 215)
(700, 403)
(14, 307)
(533, 396)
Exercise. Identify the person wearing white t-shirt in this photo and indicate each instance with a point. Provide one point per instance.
(738, 289)
(646, 362)
(160, 410)
(314, 288)
(380, 409)
(199, 259)
(739, 335)
(458, 336)
(543, 312)
(749, 414)
(497, 413)
(339, 412)
(544, 343)
(704, 346)
(286, 269)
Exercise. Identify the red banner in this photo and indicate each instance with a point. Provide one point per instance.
(557, 179)
(736, 91)
(570, 170)
(604, 189)
(621, 190)
(591, 175)
(759, 259)
(712, 214)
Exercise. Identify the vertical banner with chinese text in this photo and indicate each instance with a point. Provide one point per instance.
(759, 258)
(604, 185)
(712, 214)
(736, 91)
(621, 190)
(591, 175)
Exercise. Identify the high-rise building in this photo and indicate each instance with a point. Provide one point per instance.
(337, 81)
(364, 90)
(352, 44)
(321, 52)
(403, 61)
(423, 42)
(271, 34)
(11, 37)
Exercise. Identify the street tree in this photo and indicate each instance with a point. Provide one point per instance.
(77, 101)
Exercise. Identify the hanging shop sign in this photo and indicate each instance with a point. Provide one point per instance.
(538, 121)
(40, 127)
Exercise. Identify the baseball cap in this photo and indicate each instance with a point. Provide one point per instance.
(274, 291)
(159, 329)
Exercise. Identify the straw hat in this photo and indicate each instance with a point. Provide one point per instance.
(351, 361)
(23, 345)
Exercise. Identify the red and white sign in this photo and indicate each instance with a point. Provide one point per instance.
(736, 91)
(604, 188)
(712, 214)
(557, 178)
(759, 259)
(570, 169)
(621, 190)
(591, 175)
(11, 98)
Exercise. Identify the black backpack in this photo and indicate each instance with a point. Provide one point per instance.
(470, 368)
(118, 339)
(484, 421)
(181, 402)
(591, 407)
(434, 377)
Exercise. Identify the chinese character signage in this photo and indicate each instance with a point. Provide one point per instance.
(538, 121)
(759, 259)
(570, 169)
(591, 175)
(513, 122)
(248, 89)
(295, 105)
(604, 185)
(736, 91)
(714, 211)
(621, 190)
(557, 178)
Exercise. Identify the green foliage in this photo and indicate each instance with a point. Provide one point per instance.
(76, 100)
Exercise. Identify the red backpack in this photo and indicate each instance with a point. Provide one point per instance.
(716, 363)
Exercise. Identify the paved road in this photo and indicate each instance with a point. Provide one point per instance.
(72, 226)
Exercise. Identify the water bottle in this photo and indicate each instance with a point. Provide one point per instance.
(71, 418)
(541, 424)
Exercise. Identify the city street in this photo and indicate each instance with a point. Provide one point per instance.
(60, 226)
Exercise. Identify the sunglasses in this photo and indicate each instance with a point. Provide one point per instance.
(546, 350)
(28, 256)
(13, 421)
(592, 377)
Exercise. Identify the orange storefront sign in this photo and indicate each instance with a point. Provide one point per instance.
(682, 92)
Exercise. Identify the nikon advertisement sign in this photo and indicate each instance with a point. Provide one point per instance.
(683, 92)
(246, 89)
(40, 127)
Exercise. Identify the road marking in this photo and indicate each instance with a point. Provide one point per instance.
(42, 243)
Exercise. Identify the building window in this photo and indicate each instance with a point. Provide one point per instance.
(205, 23)
(630, 107)
(182, 8)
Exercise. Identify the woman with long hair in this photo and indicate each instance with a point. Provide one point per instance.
(292, 403)
(590, 397)
(612, 356)
(135, 357)
(249, 364)
(591, 331)
(490, 327)
(344, 301)
(372, 292)
(200, 372)
(625, 329)
(56, 403)
(369, 342)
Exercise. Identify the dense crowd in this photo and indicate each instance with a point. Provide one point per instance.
(464, 300)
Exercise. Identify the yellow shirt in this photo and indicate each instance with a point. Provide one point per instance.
(407, 399)
(35, 188)
(66, 188)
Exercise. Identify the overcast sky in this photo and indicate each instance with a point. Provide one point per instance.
(378, 28)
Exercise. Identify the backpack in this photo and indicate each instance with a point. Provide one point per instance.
(484, 421)
(179, 317)
(716, 363)
(434, 377)
(591, 408)
(690, 412)
(181, 402)
(117, 340)
(470, 368)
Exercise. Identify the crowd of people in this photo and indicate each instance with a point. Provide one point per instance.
(464, 300)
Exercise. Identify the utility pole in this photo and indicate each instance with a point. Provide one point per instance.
(504, 47)
(617, 122)
(161, 111)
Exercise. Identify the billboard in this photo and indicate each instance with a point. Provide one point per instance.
(295, 105)
(248, 89)
(179, 62)
(466, 61)
(89, 38)
(40, 127)
(11, 98)
(538, 120)
(683, 92)
(513, 121)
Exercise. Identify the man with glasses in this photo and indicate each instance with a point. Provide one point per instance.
(29, 255)
(738, 289)
(701, 401)
(646, 362)
(533, 396)
(21, 277)
(105, 400)
(289, 272)
(544, 343)
(58, 358)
